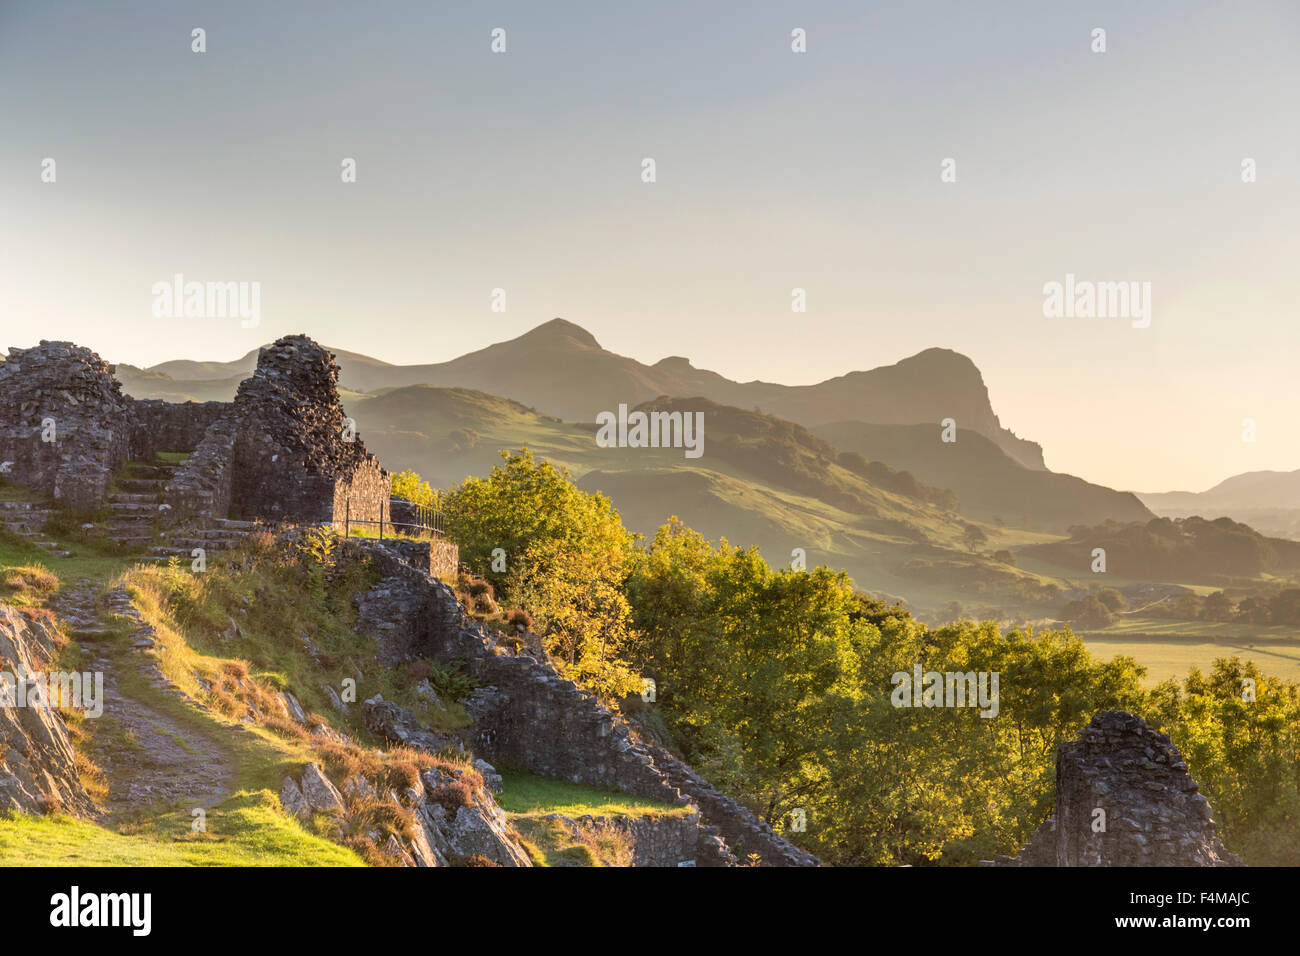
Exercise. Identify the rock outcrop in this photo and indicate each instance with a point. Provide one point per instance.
(454, 817)
(1124, 798)
(38, 771)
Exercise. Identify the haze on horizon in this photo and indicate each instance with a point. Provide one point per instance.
(775, 170)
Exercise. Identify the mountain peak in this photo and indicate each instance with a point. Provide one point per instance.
(559, 330)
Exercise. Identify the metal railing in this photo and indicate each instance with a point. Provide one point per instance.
(425, 521)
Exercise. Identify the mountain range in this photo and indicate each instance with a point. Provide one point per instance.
(1266, 500)
(560, 368)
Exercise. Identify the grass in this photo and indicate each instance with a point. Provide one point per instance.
(293, 633)
(530, 802)
(523, 794)
(246, 830)
(552, 843)
(1166, 657)
(1170, 648)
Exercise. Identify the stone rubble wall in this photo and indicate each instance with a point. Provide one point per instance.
(283, 450)
(362, 497)
(168, 426)
(1152, 812)
(438, 557)
(93, 423)
(292, 442)
(528, 716)
(202, 485)
(666, 840)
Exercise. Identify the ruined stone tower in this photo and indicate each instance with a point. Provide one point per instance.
(1124, 798)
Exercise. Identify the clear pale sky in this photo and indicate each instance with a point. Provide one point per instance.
(775, 170)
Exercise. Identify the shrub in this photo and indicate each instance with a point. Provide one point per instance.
(452, 796)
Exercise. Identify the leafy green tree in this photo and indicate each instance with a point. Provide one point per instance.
(409, 485)
(525, 503)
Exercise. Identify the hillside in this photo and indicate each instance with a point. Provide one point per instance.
(1179, 550)
(988, 483)
(1266, 500)
(560, 367)
(761, 481)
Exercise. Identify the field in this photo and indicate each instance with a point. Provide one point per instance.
(1171, 648)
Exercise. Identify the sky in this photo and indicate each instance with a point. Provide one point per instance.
(775, 170)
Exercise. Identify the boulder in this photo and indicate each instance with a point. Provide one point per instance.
(319, 792)
(292, 800)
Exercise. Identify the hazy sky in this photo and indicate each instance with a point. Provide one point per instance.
(775, 170)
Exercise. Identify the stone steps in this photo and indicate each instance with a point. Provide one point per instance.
(27, 520)
(126, 500)
(142, 486)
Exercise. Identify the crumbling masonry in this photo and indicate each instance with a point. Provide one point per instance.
(1124, 798)
(281, 451)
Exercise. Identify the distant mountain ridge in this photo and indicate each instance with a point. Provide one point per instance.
(560, 368)
(1251, 489)
(989, 484)
(1266, 500)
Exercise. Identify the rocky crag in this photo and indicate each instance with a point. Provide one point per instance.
(38, 764)
(1124, 798)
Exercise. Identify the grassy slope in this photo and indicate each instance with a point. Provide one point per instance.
(530, 801)
(413, 428)
(246, 829)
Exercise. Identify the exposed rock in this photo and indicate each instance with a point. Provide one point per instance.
(292, 799)
(491, 779)
(358, 787)
(385, 719)
(293, 707)
(480, 829)
(37, 762)
(319, 792)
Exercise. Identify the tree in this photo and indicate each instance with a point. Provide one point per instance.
(973, 537)
(409, 485)
(1218, 607)
(1113, 599)
(1088, 612)
(526, 502)
(564, 559)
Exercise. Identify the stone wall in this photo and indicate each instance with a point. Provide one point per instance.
(169, 426)
(528, 716)
(293, 443)
(202, 485)
(1124, 798)
(437, 557)
(282, 451)
(66, 393)
(656, 840)
(362, 497)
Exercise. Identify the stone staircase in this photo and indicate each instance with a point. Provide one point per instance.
(27, 519)
(135, 506)
(137, 503)
(220, 534)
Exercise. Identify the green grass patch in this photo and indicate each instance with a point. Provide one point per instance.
(524, 793)
(246, 830)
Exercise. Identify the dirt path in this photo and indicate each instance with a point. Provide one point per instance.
(152, 760)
